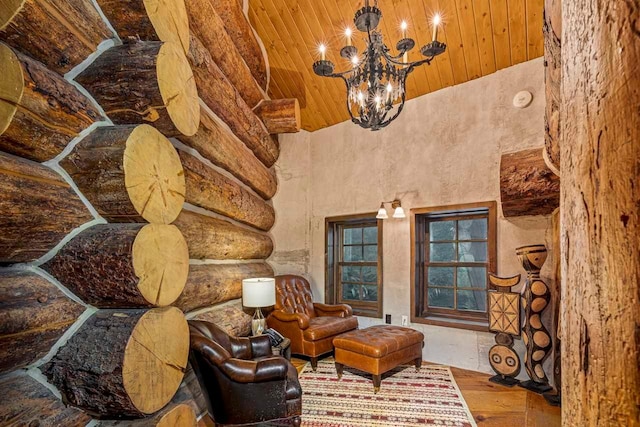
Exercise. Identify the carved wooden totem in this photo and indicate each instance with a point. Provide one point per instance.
(535, 298)
(504, 318)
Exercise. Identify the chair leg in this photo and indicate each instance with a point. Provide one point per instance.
(339, 367)
(314, 363)
(377, 379)
(296, 421)
(418, 363)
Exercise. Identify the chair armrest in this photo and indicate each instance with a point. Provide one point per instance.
(248, 371)
(260, 346)
(302, 319)
(337, 310)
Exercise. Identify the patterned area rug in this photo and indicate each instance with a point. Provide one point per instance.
(406, 398)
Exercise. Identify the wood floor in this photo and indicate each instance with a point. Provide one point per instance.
(493, 405)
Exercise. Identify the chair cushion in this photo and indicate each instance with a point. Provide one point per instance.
(378, 341)
(324, 327)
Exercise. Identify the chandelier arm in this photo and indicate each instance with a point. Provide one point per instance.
(346, 83)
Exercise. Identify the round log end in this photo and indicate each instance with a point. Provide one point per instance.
(178, 88)
(182, 415)
(11, 84)
(154, 177)
(170, 20)
(8, 10)
(161, 262)
(155, 358)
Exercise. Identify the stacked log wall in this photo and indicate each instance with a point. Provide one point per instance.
(79, 205)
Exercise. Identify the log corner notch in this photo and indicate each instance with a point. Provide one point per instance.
(280, 115)
(123, 363)
(129, 174)
(40, 112)
(527, 185)
(59, 33)
(160, 76)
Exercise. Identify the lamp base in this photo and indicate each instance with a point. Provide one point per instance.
(258, 323)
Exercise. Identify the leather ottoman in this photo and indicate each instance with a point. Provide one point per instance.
(378, 349)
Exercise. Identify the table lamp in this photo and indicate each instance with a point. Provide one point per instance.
(258, 292)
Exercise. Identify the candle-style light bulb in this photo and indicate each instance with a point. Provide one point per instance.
(323, 49)
(361, 99)
(348, 33)
(389, 90)
(403, 27)
(436, 22)
(355, 60)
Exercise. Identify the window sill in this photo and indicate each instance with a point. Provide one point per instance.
(482, 326)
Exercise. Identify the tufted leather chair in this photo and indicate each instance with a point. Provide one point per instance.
(243, 382)
(310, 326)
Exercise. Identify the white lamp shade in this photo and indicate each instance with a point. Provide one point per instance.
(382, 213)
(259, 292)
(399, 212)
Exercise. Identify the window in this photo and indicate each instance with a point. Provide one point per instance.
(353, 273)
(454, 249)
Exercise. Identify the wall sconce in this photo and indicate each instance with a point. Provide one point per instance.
(398, 212)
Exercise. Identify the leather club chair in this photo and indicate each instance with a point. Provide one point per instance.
(310, 326)
(243, 382)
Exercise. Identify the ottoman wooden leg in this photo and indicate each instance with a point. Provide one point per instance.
(377, 379)
(339, 367)
(418, 363)
(314, 363)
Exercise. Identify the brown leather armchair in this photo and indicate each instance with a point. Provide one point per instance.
(243, 382)
(310, 326)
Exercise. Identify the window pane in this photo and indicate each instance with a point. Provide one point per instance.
(351, 274)
(442, 298)
(370, 274)
(352, 253)
(352, 236)
(371, 253)
(442, 252)
(369, 293)
(442, 230)
(472, 277)
(472, 300)
(440, 276)
(472, 229)
(350, 292)
(371, 235)
(472, 251)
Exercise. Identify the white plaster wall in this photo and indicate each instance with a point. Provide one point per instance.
(445, 148)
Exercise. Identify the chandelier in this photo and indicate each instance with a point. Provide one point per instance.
(376, 82)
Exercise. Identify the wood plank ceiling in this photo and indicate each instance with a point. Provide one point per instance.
(482, 36)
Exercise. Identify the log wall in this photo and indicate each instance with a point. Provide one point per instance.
(100, 259)
(600, 215)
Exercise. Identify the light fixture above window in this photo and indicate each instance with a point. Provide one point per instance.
(398, 212)
(376, 81)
